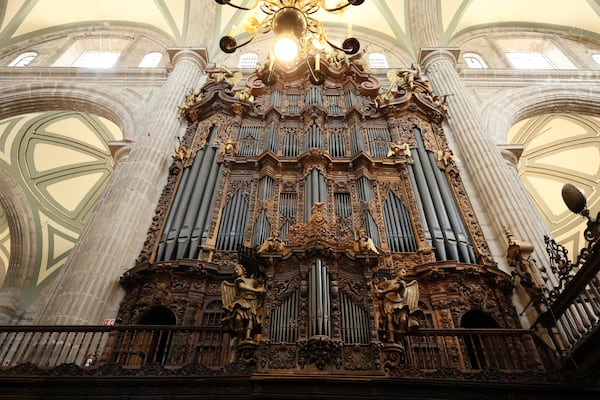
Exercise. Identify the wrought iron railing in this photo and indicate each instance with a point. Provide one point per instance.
(513, 354)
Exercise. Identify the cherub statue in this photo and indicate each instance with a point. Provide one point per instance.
(440, 103)
(405, 77)
(272, 244)
(189, 100)
(399, 303)
(363, 243)
(245, 95)
(446, 156)
(317, 216)
(242, 300)
(181, 153)
(229, 148)
(397, 150)
(224, 74)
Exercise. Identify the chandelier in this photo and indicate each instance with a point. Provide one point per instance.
(294, 26)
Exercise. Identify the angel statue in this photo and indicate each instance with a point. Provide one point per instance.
(399, 303)
(242, 300)
(272, 244)
(363, 243)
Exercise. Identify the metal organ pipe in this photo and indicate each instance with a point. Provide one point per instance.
(436, 196)
(315, 191)
(160, 253)
(429, 213)
(202, 216)
(398, 225)
(271, 138)
(225, 224)
(319, 300)
(183, 241)
(183, 200)
(464, 245)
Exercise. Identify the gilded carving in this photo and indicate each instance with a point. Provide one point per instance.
(399, 306)
(243, 302)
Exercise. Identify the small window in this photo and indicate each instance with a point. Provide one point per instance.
(248, 60)
(24, 59)
(528, 60)
(596, 57)
(378, 60)
(96, 59)
(150, 60)
(474, 60)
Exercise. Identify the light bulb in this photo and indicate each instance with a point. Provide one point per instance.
(286, 49)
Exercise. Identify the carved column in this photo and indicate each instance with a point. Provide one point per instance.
(87, 289)
(501, 192)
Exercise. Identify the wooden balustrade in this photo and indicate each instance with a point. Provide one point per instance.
(466, 351)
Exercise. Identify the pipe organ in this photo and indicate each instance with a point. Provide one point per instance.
(342, 189)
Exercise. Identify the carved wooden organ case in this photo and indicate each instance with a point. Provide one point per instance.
(254, 165)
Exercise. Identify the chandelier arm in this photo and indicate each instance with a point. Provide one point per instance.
(246, 42)
(311, 8)
(269, 7)
(337, 7)
(236, 6)
(347, 51)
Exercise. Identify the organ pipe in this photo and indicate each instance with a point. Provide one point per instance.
(202, 219)
(421, 186)
(371, 229)
(271, 138)
(319, 307)
(189, 199)
(337, 145)
(447, 231)
(288, 206)
(398, 225)
(355, 321)
(284, 328)
(315, 191)
(290, 145)
(233, 223)
(379, 141)
(262, 229)
(357, 143)
(458, 227)
(364, 189)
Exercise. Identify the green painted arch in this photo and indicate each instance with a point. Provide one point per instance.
(79, 151)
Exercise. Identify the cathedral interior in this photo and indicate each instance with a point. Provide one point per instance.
(406, 206)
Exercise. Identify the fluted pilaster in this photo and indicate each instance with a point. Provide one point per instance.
(87, 290)
(501, 192)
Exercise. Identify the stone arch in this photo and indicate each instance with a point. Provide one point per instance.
(21, 269)
(508, 108)
(118, 106)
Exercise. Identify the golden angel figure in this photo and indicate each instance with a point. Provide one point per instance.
(399, 303)
(242, 300)
(363, 243)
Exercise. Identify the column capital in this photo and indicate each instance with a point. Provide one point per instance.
(511, 154)
(427, 55)
(200, 55)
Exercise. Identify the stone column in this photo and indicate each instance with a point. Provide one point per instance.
(87, 289)
(500, 191)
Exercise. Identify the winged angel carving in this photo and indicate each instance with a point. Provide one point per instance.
(242, 300)
(399, 306)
